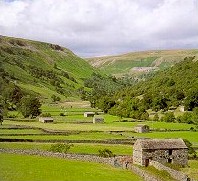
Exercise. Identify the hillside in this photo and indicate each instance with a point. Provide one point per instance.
(136, 63)
(169, 88)
(43, 68)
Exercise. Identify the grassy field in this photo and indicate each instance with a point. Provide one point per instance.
(20, 131)
(123, 63)
(192, 170)
(109, 125)
(80, 136)
(31, 168)
(189, 135)
(82, 148)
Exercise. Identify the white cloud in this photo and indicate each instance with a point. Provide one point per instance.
(101, 27)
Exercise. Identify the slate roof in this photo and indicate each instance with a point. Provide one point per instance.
(141, 125)
(46, 118)
(161, 143)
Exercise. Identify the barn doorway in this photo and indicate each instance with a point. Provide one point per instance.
(146, 162)
(170, 160)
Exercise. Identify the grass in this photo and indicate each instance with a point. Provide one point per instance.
(192, 170)
(31, 168)
(80, 136)
(189, 135)
(20, 131)
(163, 175)
(80, 148)
(123, 63)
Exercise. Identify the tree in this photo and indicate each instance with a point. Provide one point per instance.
(191, 150)
(55, 98)
(168, 117)
(156, 117)
(1, 114)
(29, 106)
(1, 110)
(192, 100)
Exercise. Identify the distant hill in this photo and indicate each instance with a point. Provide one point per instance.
(140, 62)
(43, 68)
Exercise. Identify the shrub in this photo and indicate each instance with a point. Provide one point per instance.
(106, 153)
(46, 115)
(62, 114)
(60, 147)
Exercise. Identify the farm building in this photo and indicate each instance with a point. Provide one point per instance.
(160, 150)
(141, 128)
(98, 119)
(46, 119)
(89, 114)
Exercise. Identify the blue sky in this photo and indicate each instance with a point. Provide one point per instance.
(103, 27)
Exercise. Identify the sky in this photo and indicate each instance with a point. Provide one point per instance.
(103, 27)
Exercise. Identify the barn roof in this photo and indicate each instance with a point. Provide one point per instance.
(89, 112)
(141, 125)
(46, 118)
(161, 143)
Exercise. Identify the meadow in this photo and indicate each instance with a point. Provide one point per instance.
(74, 126)
(81, 148)
(33, 168)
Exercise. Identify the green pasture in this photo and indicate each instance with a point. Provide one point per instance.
(80, 148)
(109, 125)
(192, 170)
(20, 131)
(25, 167)
(189, 135)
(80, 136)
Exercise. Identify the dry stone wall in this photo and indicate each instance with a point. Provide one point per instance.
(89, 158)
(174, 173)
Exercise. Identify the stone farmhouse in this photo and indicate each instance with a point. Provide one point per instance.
(89, 114)
(98, 119)
(141, 128)
(160, 150)
(46, 119)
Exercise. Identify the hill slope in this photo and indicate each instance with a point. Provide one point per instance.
(44, 68)
(140, 62)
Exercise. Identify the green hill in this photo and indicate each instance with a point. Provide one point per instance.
(43, 68)
(169, 88)
(136, 63)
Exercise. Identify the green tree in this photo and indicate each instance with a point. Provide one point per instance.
(55, 98)
(168, 117)
(30, 106)
(192, 100)
(191, 150)
(156, 117)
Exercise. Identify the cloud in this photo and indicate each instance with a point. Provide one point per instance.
(102, 27)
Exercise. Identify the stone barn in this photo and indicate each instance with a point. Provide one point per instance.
(141, 128)
(46, 119)
(89, 114)
(98, 119)
(160, 150)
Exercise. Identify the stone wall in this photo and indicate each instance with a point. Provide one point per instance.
(175, 174)
(82, 157)
(145, 175)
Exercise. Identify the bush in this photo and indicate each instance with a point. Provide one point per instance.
(106, 153)
(46, 115)
(60, 147)
(62, 114)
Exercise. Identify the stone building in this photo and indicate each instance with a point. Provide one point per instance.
(46, 119)
(160, 150)
(89, 114)
(98, 119)
(141, 128)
